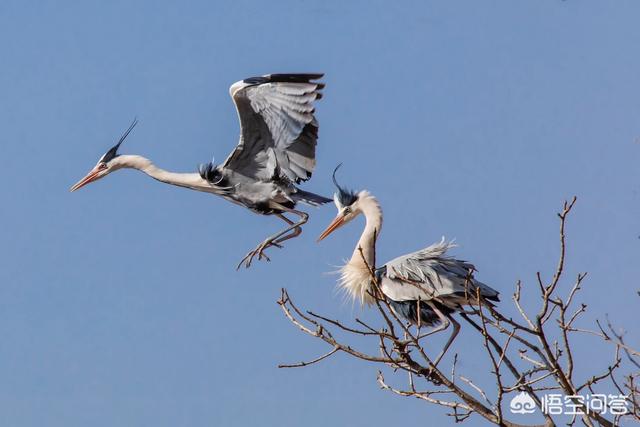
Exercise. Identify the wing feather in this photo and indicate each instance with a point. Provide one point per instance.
(431, 273)
(278, 129)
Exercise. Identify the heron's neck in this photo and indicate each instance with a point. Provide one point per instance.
(355, 275)
(189, 180)
(364, 254)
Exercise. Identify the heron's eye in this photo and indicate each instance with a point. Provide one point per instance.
(347, 210)
(103, 166)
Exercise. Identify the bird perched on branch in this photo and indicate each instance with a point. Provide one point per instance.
(424, 287)
(276, 152)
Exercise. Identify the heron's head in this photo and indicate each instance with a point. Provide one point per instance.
(348, 203)
(107, 163)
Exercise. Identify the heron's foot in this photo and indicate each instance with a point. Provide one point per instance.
(259, 252)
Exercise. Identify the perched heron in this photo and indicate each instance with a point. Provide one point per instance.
(424, 287)
(276, 151)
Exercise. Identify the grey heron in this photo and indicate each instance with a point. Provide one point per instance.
(276, 152)
(424, 287)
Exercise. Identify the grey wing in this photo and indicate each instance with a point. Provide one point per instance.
(278, 129)
(430, 273)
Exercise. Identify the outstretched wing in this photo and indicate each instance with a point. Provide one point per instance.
(278, 129)
(430, 273)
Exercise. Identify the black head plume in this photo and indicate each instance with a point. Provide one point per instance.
(113, 152)
(210, 172)
(345, 197)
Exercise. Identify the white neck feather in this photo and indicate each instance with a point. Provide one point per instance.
(355, 275)
(188, 180)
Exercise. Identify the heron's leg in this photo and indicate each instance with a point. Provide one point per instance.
(294, 227)
(278, 237)
(444, 322)
(294, 233)
(441, 327)
(294, 230)
(456, 329)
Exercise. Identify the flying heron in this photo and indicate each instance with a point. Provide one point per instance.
(424, 287)
(276, 151)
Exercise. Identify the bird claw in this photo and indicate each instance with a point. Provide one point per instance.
(259, 251)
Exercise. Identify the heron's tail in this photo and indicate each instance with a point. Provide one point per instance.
(309, 198)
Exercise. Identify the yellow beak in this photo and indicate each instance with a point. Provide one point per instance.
(335, 224)
(91, 176)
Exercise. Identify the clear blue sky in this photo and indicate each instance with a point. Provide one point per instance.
(120, 305)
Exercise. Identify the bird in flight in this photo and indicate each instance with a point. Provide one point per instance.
(424, 287)
(276, 151)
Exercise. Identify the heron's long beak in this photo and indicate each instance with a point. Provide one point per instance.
(91, 176)
(335, 224)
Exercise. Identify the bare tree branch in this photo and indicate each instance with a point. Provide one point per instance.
(546, 361)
